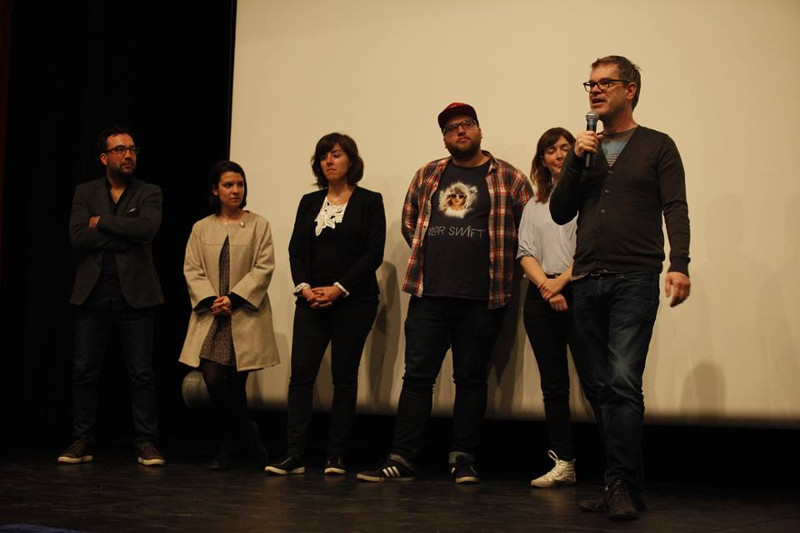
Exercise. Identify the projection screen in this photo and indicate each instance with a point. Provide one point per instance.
(721, 77)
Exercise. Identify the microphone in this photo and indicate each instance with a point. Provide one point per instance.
(591, 125)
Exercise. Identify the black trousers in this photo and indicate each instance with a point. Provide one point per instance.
(93, 327)
(550, 332)
(345, 327)
(432, 326)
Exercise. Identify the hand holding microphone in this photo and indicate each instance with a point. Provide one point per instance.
(587, 142)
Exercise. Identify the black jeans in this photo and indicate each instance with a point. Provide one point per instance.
(345, 327)
(93, 327)
(615, 314)
(549, 332)
(432, 326)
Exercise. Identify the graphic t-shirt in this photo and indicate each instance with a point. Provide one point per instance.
(456, 262)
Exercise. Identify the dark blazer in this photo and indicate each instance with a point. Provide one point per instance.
(359, 256)
(128, 235)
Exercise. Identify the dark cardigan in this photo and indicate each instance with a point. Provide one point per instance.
(360, 240)
(619, 209)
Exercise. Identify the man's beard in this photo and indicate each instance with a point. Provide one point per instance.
(120, 175)
(466, 153)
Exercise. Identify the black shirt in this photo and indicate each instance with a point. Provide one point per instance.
(107, 292)
(457, 242)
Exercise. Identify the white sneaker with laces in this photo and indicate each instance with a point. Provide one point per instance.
(562, 474)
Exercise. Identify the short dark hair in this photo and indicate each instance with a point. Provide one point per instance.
(627, 71)
(214, 176)
(102, 139)
(325, 145)
(540, 174)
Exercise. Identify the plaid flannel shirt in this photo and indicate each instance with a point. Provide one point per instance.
(509, 191)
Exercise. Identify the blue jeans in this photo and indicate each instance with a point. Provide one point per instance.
(615, 314)
(93, 327)
(432, 326)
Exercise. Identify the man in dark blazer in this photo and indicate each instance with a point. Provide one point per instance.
(113, 222)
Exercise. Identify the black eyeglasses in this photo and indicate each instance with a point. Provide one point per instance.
(120, 150)
(604, 84)
(466, 124)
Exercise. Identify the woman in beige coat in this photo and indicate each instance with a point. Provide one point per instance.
(228, 266)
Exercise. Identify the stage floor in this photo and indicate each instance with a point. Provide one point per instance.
(115, 494)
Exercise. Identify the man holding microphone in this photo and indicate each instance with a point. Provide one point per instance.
(621, 182)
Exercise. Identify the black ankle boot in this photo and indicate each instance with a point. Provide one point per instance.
(253, 445)
(224, 458)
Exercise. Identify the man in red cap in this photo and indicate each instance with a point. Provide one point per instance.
(460, 218)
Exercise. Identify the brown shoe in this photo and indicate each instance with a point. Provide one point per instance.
(78, 452)
(149, 456)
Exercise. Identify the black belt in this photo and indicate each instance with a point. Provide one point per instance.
(603, 272)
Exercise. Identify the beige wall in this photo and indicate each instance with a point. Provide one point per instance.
(721, 77)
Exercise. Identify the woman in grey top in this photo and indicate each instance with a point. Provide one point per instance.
(545, 253)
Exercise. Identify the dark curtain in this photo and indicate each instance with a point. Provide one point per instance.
(5, 48)
(165, 70)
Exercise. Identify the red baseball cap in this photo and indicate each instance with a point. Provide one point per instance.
(454, 109)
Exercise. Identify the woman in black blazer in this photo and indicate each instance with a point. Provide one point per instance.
(336, 247)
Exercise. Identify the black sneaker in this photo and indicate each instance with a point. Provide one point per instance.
(148, 455)
(288, 464)
(463, 470)
(78, 452)
(389, 470)
(334, 466)
(619, 502)
(598, 505)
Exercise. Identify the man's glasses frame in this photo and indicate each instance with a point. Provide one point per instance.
(466, 124)
(604, 84)
(122, 150)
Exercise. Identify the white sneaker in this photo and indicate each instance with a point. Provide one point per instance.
(561, 475)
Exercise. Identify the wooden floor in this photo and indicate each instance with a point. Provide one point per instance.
(115, 494)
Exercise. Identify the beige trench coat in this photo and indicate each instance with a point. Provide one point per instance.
(252, 264)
